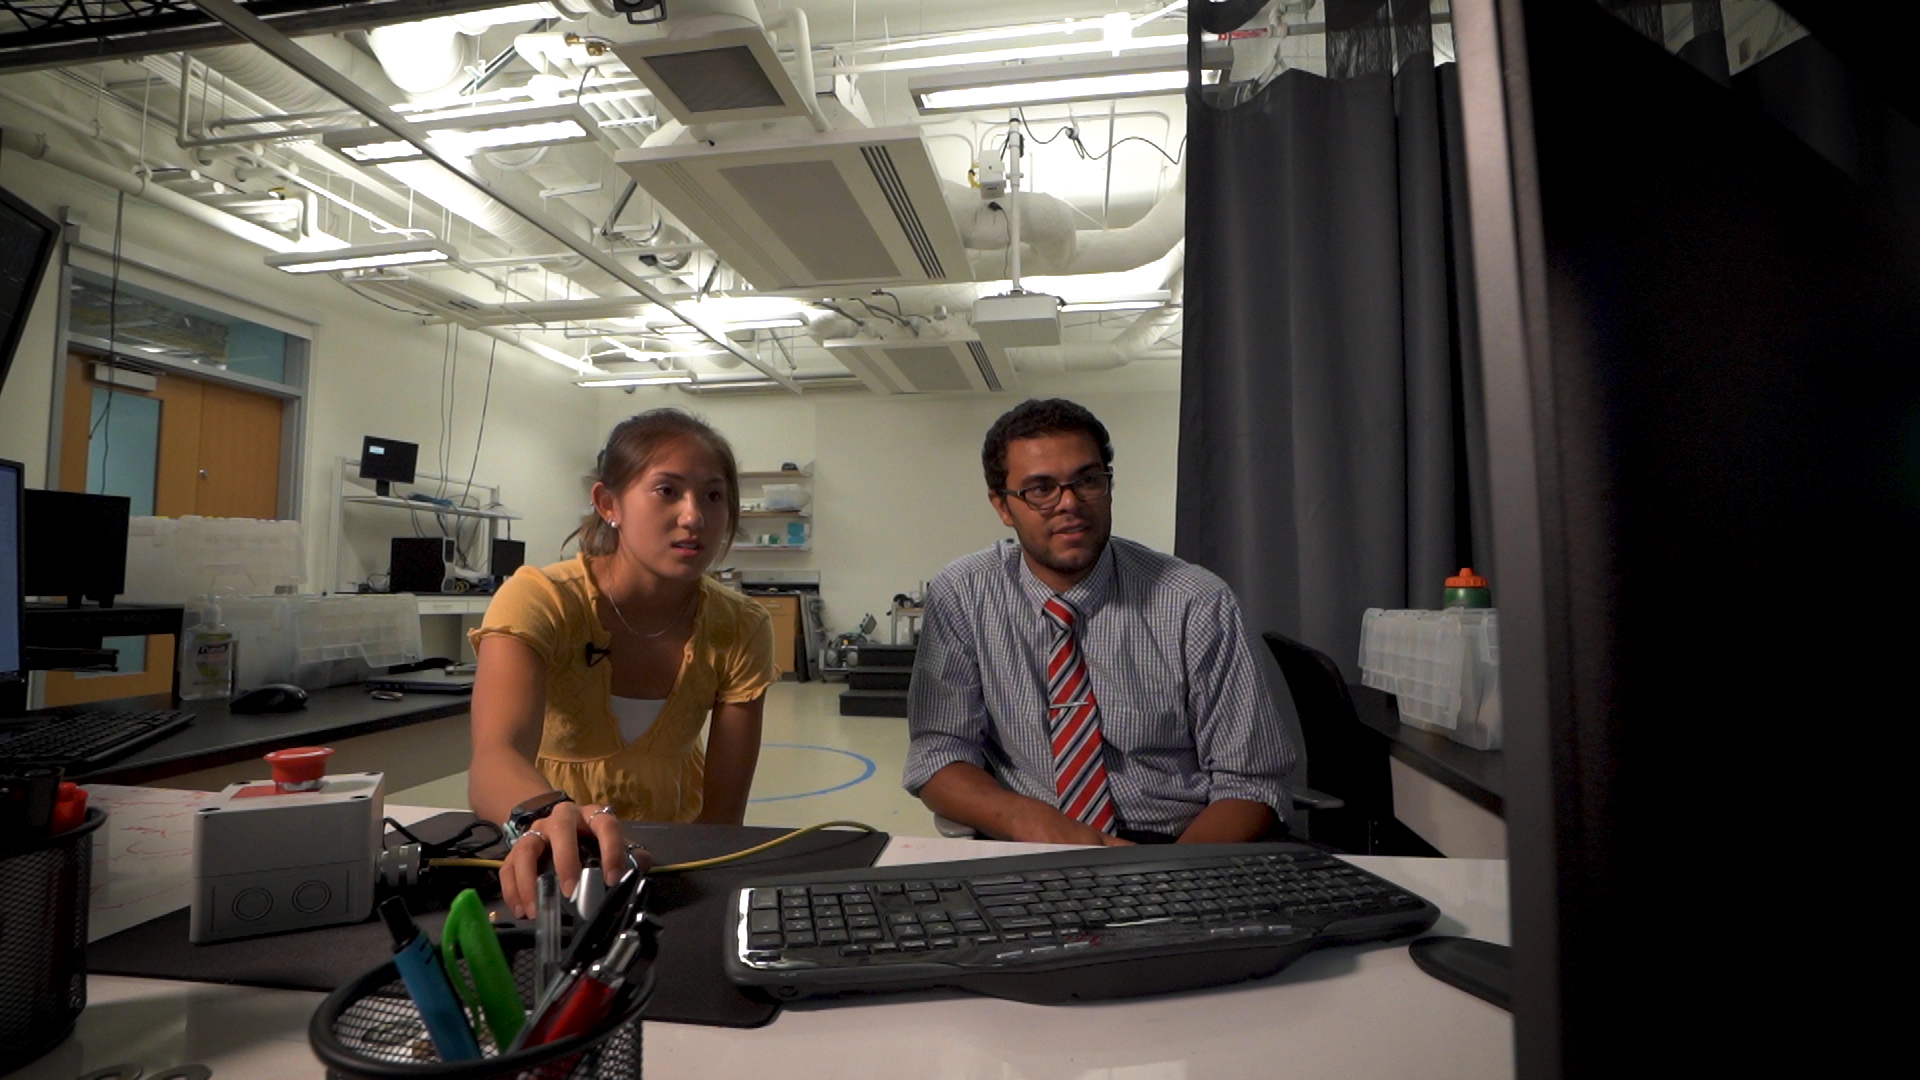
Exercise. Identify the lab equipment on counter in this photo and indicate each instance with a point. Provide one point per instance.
(292, 853)
(1444, 666)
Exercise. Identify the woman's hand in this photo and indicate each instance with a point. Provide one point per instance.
(558, 835)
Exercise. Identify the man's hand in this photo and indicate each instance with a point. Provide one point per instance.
(1045, 825)
(966, 794)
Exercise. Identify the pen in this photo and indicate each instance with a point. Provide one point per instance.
(590, 998)
(546, 933)
(478, 968)
(426, 980)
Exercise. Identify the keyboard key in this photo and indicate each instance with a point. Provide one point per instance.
(1066, 918)
(1180, 908)
(1045, 875)
(985, 939)
(829, 890)
(857, 909)
(799, 941)
(1079, 872)
(948, 885)
(919, 886)
(887, 888)
(794, 890)
(940, 929)
(1008, 912)
(1024, 923)
(1042, 908)
(923, 896)
(763, 922)
(856, 950)
(863, 922)
(903, 917)
(763, 941)
(1096, 916)
(970, 926)
(1007, 889)
(933, 915)
(946, 942)
(1122, 914)
(1045, 932)
(764, 899)
(833, 937)
(881, 948)
(795, 926)
(914, 944)
(989, 882)
(959, 915)
(868, 934)
(908, 930)
(830, 924)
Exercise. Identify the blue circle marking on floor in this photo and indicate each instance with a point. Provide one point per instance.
(867, 770)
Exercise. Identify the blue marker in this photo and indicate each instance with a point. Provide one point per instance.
(419, 964)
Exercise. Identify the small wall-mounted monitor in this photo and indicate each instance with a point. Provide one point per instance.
(27, 239)
(75, 545)
(387, 462)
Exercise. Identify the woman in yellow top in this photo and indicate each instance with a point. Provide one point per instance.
(597, 674)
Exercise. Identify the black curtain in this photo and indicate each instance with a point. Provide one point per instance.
(1332, 451)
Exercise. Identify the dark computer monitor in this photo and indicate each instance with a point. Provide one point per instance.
(387, 462)
(13, 665)
(1699, 333)
(27, 239)
(75, 545)
(504, 557)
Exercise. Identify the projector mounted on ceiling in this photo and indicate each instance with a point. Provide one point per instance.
(925, 365)
(857, 207)
(730, 75)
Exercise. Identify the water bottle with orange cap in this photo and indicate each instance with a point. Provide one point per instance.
(1467, 590)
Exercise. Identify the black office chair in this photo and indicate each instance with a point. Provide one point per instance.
(1344, 759)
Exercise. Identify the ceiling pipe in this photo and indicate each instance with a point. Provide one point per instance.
(1054, 247)
(35, 145)
(256, 30)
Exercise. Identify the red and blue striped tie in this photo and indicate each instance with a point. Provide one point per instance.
(1073, 721)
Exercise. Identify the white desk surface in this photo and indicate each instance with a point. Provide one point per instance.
(1348, 1013)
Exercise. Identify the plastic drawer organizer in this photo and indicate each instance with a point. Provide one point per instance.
(1444, 666)
(171, 561)
(320, 641)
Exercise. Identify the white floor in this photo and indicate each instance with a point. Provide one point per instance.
(815, 765)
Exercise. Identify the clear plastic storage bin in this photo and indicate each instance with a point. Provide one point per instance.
(1444, 666)
(171, 561)
(320, 641)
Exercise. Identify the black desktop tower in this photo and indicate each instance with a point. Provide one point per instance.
(75, 545)
(420, 564)
(505, 557)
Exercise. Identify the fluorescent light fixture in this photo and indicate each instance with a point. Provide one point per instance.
(662, 379)
(367, 256)
(466, 135)
(1118, 303)
(1072, 80)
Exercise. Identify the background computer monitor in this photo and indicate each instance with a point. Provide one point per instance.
(12, 608)
(27, 238)
(75, 545)
(387, 462)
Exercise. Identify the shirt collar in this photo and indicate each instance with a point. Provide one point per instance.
(1086, 597)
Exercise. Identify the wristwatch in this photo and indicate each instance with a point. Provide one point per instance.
(530, 811)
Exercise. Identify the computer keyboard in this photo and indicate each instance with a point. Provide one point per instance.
(1060, 926)
(89, 738)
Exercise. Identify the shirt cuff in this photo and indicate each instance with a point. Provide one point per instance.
(931, 753)
(1260, 789)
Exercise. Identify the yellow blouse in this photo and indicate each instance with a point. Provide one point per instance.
(660, 776)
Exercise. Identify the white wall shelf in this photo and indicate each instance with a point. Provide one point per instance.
(455, 605)
(428, 508)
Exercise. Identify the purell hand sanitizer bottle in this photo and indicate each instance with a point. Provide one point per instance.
(206, 657)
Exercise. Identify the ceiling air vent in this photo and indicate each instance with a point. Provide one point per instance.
(732, 75)
(924, 366)
(843, 208)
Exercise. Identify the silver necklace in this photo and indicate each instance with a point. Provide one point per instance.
(676, 619)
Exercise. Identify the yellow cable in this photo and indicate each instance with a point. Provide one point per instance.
(697, 864)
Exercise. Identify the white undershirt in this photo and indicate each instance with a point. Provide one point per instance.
(636, 715)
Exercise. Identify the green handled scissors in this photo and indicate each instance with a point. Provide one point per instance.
(478, 969)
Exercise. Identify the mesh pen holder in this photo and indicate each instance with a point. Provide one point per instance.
(44, 889)
(370, 1029)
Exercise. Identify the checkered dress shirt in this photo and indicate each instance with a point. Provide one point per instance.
(1184, 710)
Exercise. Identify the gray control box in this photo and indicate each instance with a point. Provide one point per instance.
(266, 861)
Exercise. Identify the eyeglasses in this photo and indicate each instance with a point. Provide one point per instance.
(1045, 494)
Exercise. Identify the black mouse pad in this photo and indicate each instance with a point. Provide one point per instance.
(690, 986)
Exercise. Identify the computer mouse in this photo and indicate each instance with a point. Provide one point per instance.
(271, 698)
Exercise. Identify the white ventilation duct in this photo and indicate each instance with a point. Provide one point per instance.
(433, 55)
(266, 76)
(1050, 244)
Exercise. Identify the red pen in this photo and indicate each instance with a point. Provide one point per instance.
(583, 1005)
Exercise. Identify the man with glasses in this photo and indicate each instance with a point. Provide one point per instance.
(1073, 687)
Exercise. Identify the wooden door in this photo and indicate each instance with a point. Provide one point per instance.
(239, 458)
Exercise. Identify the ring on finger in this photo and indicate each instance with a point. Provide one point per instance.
(597, 813)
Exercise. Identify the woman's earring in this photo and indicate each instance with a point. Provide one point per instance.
(613, 523)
